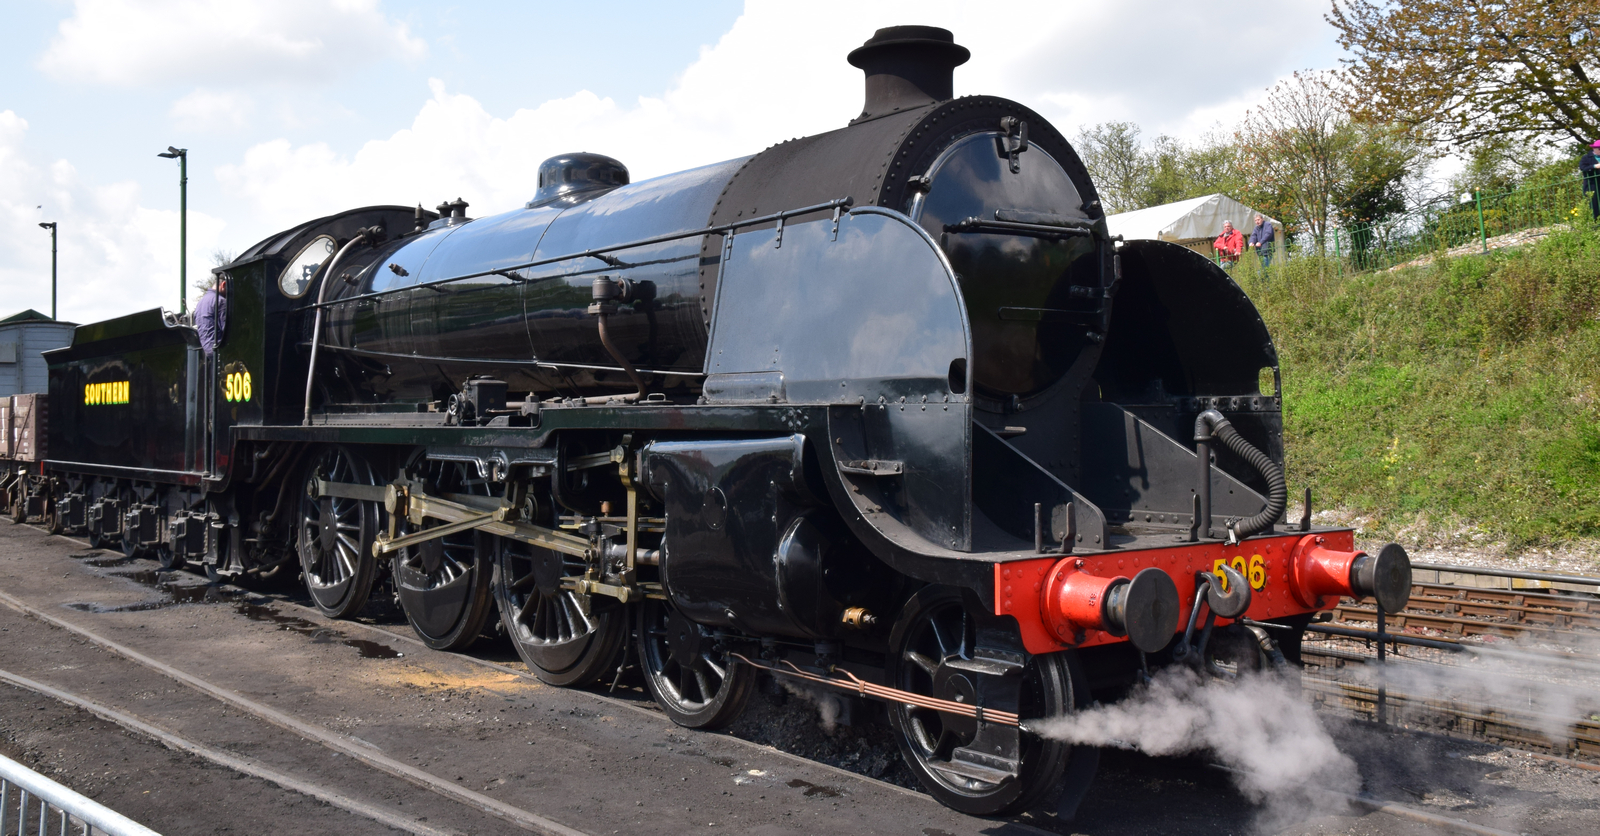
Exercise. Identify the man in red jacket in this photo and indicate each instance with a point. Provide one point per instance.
(1228, 245)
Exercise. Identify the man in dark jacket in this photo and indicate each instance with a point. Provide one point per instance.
(1261, 241)
(1589, 167)
(211, 315)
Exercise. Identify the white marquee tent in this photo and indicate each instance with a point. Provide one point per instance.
(1194, 223)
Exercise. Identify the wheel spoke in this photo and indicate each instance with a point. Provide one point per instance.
(581, 625)
(938, 637)
(927, 665)
(684, 678)
(706, 691)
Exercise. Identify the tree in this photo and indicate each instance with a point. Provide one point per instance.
(1464, 70)
(1130, 176)
(1502, 164)
(1115, 159)
(1292, 152)
(1179, 171)
(1377, 162)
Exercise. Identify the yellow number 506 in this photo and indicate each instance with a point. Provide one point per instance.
(1254, 570)
(236, 387)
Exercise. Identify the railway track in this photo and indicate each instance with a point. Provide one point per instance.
(339, 743)
(135, 719)
(417, 759)
(1579, 739)
(1444, 622)
(227, 760)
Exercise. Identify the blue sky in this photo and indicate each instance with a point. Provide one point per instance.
(295, 109)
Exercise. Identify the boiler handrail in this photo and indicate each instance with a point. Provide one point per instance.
(836, 205)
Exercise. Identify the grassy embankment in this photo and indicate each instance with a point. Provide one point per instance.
(1456, 403)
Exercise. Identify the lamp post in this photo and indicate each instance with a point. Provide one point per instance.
(52, 227)
(182, 156)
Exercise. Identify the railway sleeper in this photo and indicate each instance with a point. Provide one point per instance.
(1453, 625)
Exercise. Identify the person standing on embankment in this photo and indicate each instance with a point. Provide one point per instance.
(1589, 169)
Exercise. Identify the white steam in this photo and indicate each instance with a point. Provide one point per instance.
(1258, 725)
(829, 707)
(1542, 693)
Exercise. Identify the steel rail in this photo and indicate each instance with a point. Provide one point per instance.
(1580, 580)
(1578, 695)
(1584, 735)
(835, 204)
(1522, 654)
(643, 710)
(1515, 613)
(339, 743)
(653, 713)
(1451, 624)
(1532, 597)
(226, 760)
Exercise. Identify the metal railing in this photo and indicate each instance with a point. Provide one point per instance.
(1459, 225)
(40, 806)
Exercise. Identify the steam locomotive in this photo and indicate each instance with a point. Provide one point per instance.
(883, 409)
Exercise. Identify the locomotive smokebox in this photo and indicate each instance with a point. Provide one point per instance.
(906, 67)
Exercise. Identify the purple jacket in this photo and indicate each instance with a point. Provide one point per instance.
(1261, 234)
(211, 319)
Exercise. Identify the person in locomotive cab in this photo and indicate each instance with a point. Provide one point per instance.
(211, 314)
(1261, 241)
(1228, 245)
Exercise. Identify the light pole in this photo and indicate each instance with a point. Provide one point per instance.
(182, 156)
(52, 227)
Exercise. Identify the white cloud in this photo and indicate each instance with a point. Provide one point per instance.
(779, 72)
(211, 110)
(115, 255)
(138, 42)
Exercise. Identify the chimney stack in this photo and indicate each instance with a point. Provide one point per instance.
(907, 67)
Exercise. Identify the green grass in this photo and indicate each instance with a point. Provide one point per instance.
(1461, 398)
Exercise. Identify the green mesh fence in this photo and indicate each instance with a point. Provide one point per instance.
(1473, 223)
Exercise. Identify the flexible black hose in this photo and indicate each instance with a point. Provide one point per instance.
(1277, 488)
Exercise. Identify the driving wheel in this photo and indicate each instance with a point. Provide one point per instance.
(553, 635)
(443, 584)
(696, 685)
(931, 654)
(335, 536)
